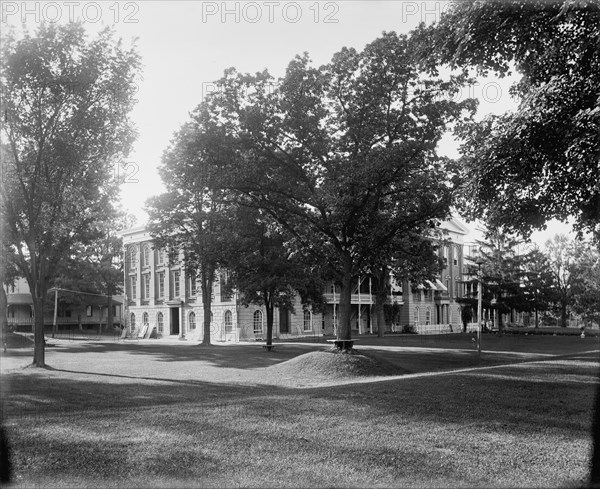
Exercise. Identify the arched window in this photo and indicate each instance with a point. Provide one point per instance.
(428, 316)
(257, 322)
(192, 320)
(146, 256)
(228, 322)
(307, 320)
(132, 321)
(161, 322)
(416, 316)
(145, 318)
(132, 257)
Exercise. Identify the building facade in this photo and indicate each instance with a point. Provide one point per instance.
(163, 298)
(433, 306)
(92, 311)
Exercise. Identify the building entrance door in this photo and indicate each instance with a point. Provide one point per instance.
(284, 320)
(174, 320)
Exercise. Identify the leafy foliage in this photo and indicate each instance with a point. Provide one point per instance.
(574, 269)
(507, 276)
(586, 284)
(540, 162)
(65, 105)
(266, 271)
(343, 157)
(193, 216)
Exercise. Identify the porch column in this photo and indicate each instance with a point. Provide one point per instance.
(181, 323)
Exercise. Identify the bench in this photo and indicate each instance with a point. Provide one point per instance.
(343, 344)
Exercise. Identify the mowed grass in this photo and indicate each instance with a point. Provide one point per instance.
(148, 414)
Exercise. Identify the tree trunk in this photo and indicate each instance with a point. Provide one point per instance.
(3, 316)
(500, 323)
(344, 328)
(39, 348)
(537, 323)
(563, 315)
(207, 276)
(269, 308)
(380, 313)
(109, 314)
(381, 296)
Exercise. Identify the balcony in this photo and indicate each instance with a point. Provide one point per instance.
(354, 298)
(441, 297)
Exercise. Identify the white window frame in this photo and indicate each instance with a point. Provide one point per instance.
(304, 320)
(192, 320)
(228, 321)
(132, 258)
(146, 285)
(193, 286)
(160, 321)
(257, 314)
(176, 284)
(146, 256)
(161, 284)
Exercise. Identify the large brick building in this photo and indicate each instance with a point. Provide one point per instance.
(164, 297)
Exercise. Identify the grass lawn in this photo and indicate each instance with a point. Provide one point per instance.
(153, 414)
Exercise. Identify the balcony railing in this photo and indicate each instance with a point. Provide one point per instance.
(354, 298)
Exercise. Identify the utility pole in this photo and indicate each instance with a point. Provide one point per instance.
(479, 303)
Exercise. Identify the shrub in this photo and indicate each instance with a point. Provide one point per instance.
(409, 329)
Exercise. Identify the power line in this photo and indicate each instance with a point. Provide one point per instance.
(76, 292)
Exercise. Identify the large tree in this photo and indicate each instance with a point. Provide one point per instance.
(586, 283)
(412, 258)
(92, 270)
(192, 218)
(572, 264)
(503, 261)
(266, 271)
(65, 105)
(343, 157)
(537, 283)
(540, 161)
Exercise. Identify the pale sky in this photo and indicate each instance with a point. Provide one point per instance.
(186, 45)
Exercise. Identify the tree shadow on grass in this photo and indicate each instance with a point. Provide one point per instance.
(150, 419)
(241, 356)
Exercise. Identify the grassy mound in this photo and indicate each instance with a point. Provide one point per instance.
(333, 365)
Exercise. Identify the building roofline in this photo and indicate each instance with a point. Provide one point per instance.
(130, 231)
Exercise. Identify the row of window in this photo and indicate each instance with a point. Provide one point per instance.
(160, 321)
(145, 256)
(454, 315)
(257, 321)
(428, 294)
(175, 286)
(456, 252)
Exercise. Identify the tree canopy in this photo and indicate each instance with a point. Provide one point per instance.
(542, 161)
(65, 105)
(192, 218)
(344, 156)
